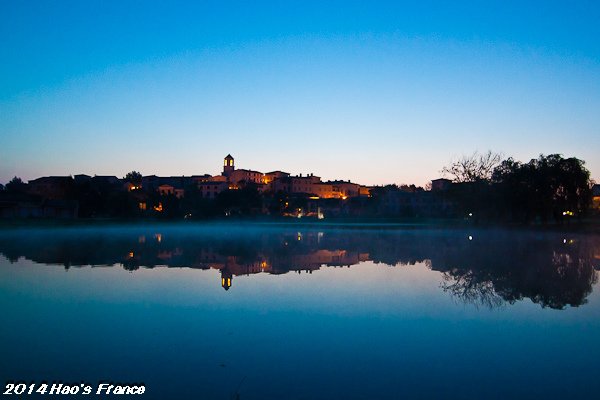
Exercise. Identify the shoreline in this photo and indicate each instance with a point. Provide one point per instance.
(587, 226)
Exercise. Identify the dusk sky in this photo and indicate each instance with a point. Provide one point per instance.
(376, 92)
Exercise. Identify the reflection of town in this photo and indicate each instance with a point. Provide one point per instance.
(482, 268)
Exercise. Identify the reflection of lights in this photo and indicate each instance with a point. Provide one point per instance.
(344, 197)
(142, 239)
(568, 213)
(470, 214)
(158, 237)
(564, 240)
(314, 197)
(470, 237)
(299, 236)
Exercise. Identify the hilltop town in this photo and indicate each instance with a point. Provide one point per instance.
(234, 179)
(296, 195)
(504, 194)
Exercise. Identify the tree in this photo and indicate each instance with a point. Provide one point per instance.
(547, 187)
(411, 188)
(16, 185)
(245, 201)
(134, 177)
(473, 168)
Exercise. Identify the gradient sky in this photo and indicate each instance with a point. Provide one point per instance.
(375, 92)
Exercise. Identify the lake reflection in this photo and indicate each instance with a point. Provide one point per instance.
(306, 312)
(483, 268)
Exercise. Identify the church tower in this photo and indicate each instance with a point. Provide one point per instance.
(228, 165)
(226, 277)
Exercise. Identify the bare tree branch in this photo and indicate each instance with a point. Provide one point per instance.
(474, 167)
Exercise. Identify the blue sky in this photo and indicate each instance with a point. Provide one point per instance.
(376, 92)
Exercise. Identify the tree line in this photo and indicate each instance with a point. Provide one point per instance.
(547, 188)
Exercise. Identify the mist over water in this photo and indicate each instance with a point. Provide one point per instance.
(261, 312)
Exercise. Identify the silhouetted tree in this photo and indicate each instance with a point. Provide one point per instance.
(193, 205)
(473, 197)
(411, 188)
(243, 201)
(134, 177)
(16, 185)
(276, 202)
(473, 168)
(547, 187)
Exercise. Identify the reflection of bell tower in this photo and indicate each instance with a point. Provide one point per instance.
(226, 279)
(228, 165)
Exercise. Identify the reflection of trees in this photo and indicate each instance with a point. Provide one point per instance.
(471, 289)
(493, 268)
(548, 272)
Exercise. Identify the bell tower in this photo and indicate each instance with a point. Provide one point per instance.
(226, 277)
(228, 165)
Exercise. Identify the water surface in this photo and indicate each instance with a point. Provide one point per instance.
(257, 312)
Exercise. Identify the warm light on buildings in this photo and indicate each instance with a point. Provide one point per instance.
(158, 208)
(131, 187)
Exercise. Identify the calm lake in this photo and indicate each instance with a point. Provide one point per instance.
(266, 312)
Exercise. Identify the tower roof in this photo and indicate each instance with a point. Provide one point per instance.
(229, 157)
